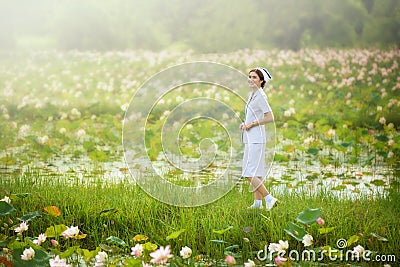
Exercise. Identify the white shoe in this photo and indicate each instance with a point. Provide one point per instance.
(255, 207)
(270, 203)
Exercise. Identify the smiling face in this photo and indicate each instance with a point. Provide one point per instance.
(253, 76)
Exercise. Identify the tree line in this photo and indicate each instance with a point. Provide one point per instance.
(201, 25)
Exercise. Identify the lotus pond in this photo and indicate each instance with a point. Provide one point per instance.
(68, 197)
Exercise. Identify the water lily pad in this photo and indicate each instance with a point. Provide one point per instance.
(295, 231)
(56, 230)
(353, 239)
(149, 246)
(309, 216)
(280, 158)
(325, 230)
(175, 234)
(312, 177)
(288, 178)
(20, 196)
(346, 144)
(6, 208)
(353, 160)
(339, 187)
(232, 247)
(41, 258)
(218, 241)
(379, 237)
(116, 241)
(110, 249)
(313, 151)
(68, 252)
(53, 211)
(87, 254)
(30, 216)
(382, 138)
(378, 182)
(98, 155)
(108, 212)
(368, 161)
(133, 262)
(7, 241)
(138, 238)
(8, 160)
(222, 231)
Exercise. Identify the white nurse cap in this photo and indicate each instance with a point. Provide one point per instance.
(265, 73)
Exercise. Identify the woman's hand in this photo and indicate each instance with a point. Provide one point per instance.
(247, 127)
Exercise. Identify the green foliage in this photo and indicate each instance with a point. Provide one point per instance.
(180, 25)
(309, 216)
(55, 230)
(201, 228)
(116, 241)
(295, 231)
(6, 208)
(30, 216)
(175, 234)
(41, 258)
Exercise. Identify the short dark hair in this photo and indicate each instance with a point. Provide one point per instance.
(260, 75)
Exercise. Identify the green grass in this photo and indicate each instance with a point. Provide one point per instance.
(138, 213)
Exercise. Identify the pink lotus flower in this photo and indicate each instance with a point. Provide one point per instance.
(161, 255)
(22, 228)
(278, 247)
(28, 254)
(186, 252)
(57, 262)
(6, 199)
(230, 260)
(146, 265)
(71, 232)
(101, 259)
(320, 221)
(307, 240)
(137, 250)
(40, 240)
(358, 251)
(279, 260)
(54, 242)
(249, 263)
(43, 140)
(273, 247)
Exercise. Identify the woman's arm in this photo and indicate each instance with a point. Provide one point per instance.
(268, 117)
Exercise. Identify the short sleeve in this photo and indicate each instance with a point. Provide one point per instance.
(263, 103)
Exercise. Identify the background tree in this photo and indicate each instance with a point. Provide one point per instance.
(205, 26)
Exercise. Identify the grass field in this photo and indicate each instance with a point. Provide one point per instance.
(62, 160)
(132, 212)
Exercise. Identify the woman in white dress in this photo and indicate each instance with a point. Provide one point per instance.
(257, 113)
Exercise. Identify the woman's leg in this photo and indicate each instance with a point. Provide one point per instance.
(269, 200)
(259, 194)
(260, 190)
